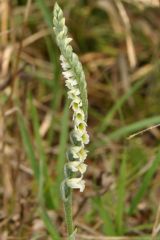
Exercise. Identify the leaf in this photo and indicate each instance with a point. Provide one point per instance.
(108, 226)
(28, 145)
(109, 116)
(145, 184)
(121, 189)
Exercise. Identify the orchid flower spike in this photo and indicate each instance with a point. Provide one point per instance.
(76, 90)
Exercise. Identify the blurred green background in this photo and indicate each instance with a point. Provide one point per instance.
(118, 43)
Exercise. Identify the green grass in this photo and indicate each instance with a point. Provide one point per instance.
(108, 227)
(118, 105)
(145, 184)
(121, 197)
(28, 146)
(40, 170)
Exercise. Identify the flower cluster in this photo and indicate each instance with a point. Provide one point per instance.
(76, 85)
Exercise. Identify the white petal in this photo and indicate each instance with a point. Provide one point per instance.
(81, 127)
(78, 116)
(76, 104)
(75, 151)
(70, 83)
(65, 66)
(85, 138)
(64, 63)
(76, 166)
(73, 165)
(82, 154)
(62, 58)
(76, 183)
(72, 94)
(77, 135)
(79, 152)
(68, 74)
(82, 168)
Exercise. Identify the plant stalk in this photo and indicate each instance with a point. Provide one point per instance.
(68, 215)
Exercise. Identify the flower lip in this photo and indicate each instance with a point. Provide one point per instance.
(78, 116)
(81, 127)
(76, 104)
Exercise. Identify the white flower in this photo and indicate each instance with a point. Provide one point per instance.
(76, 104)
(64, 63)
(79, 153)
(81, 127)
(85, 138)
(76, 166)
(78, 116)
(82, 138)
(68, 74)
(76, 183)
(82, 168)
(70, 83)
(72, 94)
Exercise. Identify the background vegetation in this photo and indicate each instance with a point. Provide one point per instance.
(119, 45)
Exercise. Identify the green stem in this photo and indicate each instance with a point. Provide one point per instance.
(68, 215)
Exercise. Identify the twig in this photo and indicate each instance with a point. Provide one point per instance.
(87, 237)
(156, 226)
(143, 131)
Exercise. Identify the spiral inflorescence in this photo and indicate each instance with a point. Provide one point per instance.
(75, 82)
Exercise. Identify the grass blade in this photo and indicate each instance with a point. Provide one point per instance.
(39, 175)
(45, 182)
(133, 127)
(49, 225)
(54, 58)
(44, 178)
(28, 145)
(145, 184)
(108, 227)
(121, 189)
(108, 118)
(125, 132)
(46, 12)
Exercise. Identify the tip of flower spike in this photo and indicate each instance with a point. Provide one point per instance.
(58, 13)
(56, 6)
